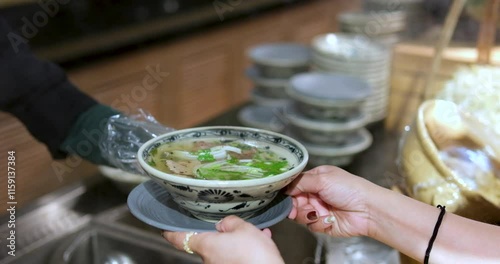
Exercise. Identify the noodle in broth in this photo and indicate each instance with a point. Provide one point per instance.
(218, 160)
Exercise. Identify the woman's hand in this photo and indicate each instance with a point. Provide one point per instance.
(331, 200)
(360, 207)
(237, 242)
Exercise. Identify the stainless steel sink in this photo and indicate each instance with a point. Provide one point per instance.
(102, 244)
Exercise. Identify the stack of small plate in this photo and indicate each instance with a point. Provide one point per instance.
(273, 65)
(326, 116)
(381, 26)
(356, 55)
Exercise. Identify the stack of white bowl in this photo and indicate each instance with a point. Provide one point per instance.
(357, 56)
(416, 20)
(382, 26)
(273, 66)
(326, 116)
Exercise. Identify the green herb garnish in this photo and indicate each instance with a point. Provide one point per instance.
(205, 155)
(233, 160)
(269, 167)
(154, 151)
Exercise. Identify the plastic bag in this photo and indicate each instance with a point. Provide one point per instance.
(125, 134)
(451, 153)
(474, 157)
(449, 157)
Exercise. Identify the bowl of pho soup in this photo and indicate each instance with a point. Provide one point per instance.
(213, 172)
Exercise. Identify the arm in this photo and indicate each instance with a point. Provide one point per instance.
(360, 207)
(407, 225)
(38, 93)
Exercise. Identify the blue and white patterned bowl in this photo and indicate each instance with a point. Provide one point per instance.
(328, 96)
(212, 200)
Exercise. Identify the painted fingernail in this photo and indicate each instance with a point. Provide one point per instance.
(312, 216)
(329, 220)
(217, 225)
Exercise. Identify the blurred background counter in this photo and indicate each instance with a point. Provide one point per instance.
(63, 31)
(196, 66)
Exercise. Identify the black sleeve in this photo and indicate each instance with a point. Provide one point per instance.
(38, 92)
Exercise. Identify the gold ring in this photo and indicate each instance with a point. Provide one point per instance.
(186, 242)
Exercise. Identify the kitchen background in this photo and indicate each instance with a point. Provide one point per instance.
(107, 46)
(200, 49)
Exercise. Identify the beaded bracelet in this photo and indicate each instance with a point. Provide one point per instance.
(434, 233)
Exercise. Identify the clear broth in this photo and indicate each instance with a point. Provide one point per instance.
(215, 159)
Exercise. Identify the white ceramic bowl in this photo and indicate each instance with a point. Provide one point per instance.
(373, 78)
(321, 131)
(280, 60)
(269, 87)
(373, 23)
(381, 65)
(211, 200)
(263, 117)
(339, 155)
(328, 95)
(259, 99)
(349, 47)
(382, 68)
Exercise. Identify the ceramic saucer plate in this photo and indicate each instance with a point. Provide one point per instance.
(323, 88)
(263, 117)
(337, 154)
(280, 54)
(153, 205)
(270, 87)
(259, 99)
(253, 74)
(297, 118)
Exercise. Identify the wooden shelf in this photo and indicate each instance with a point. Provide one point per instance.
(455, 53)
